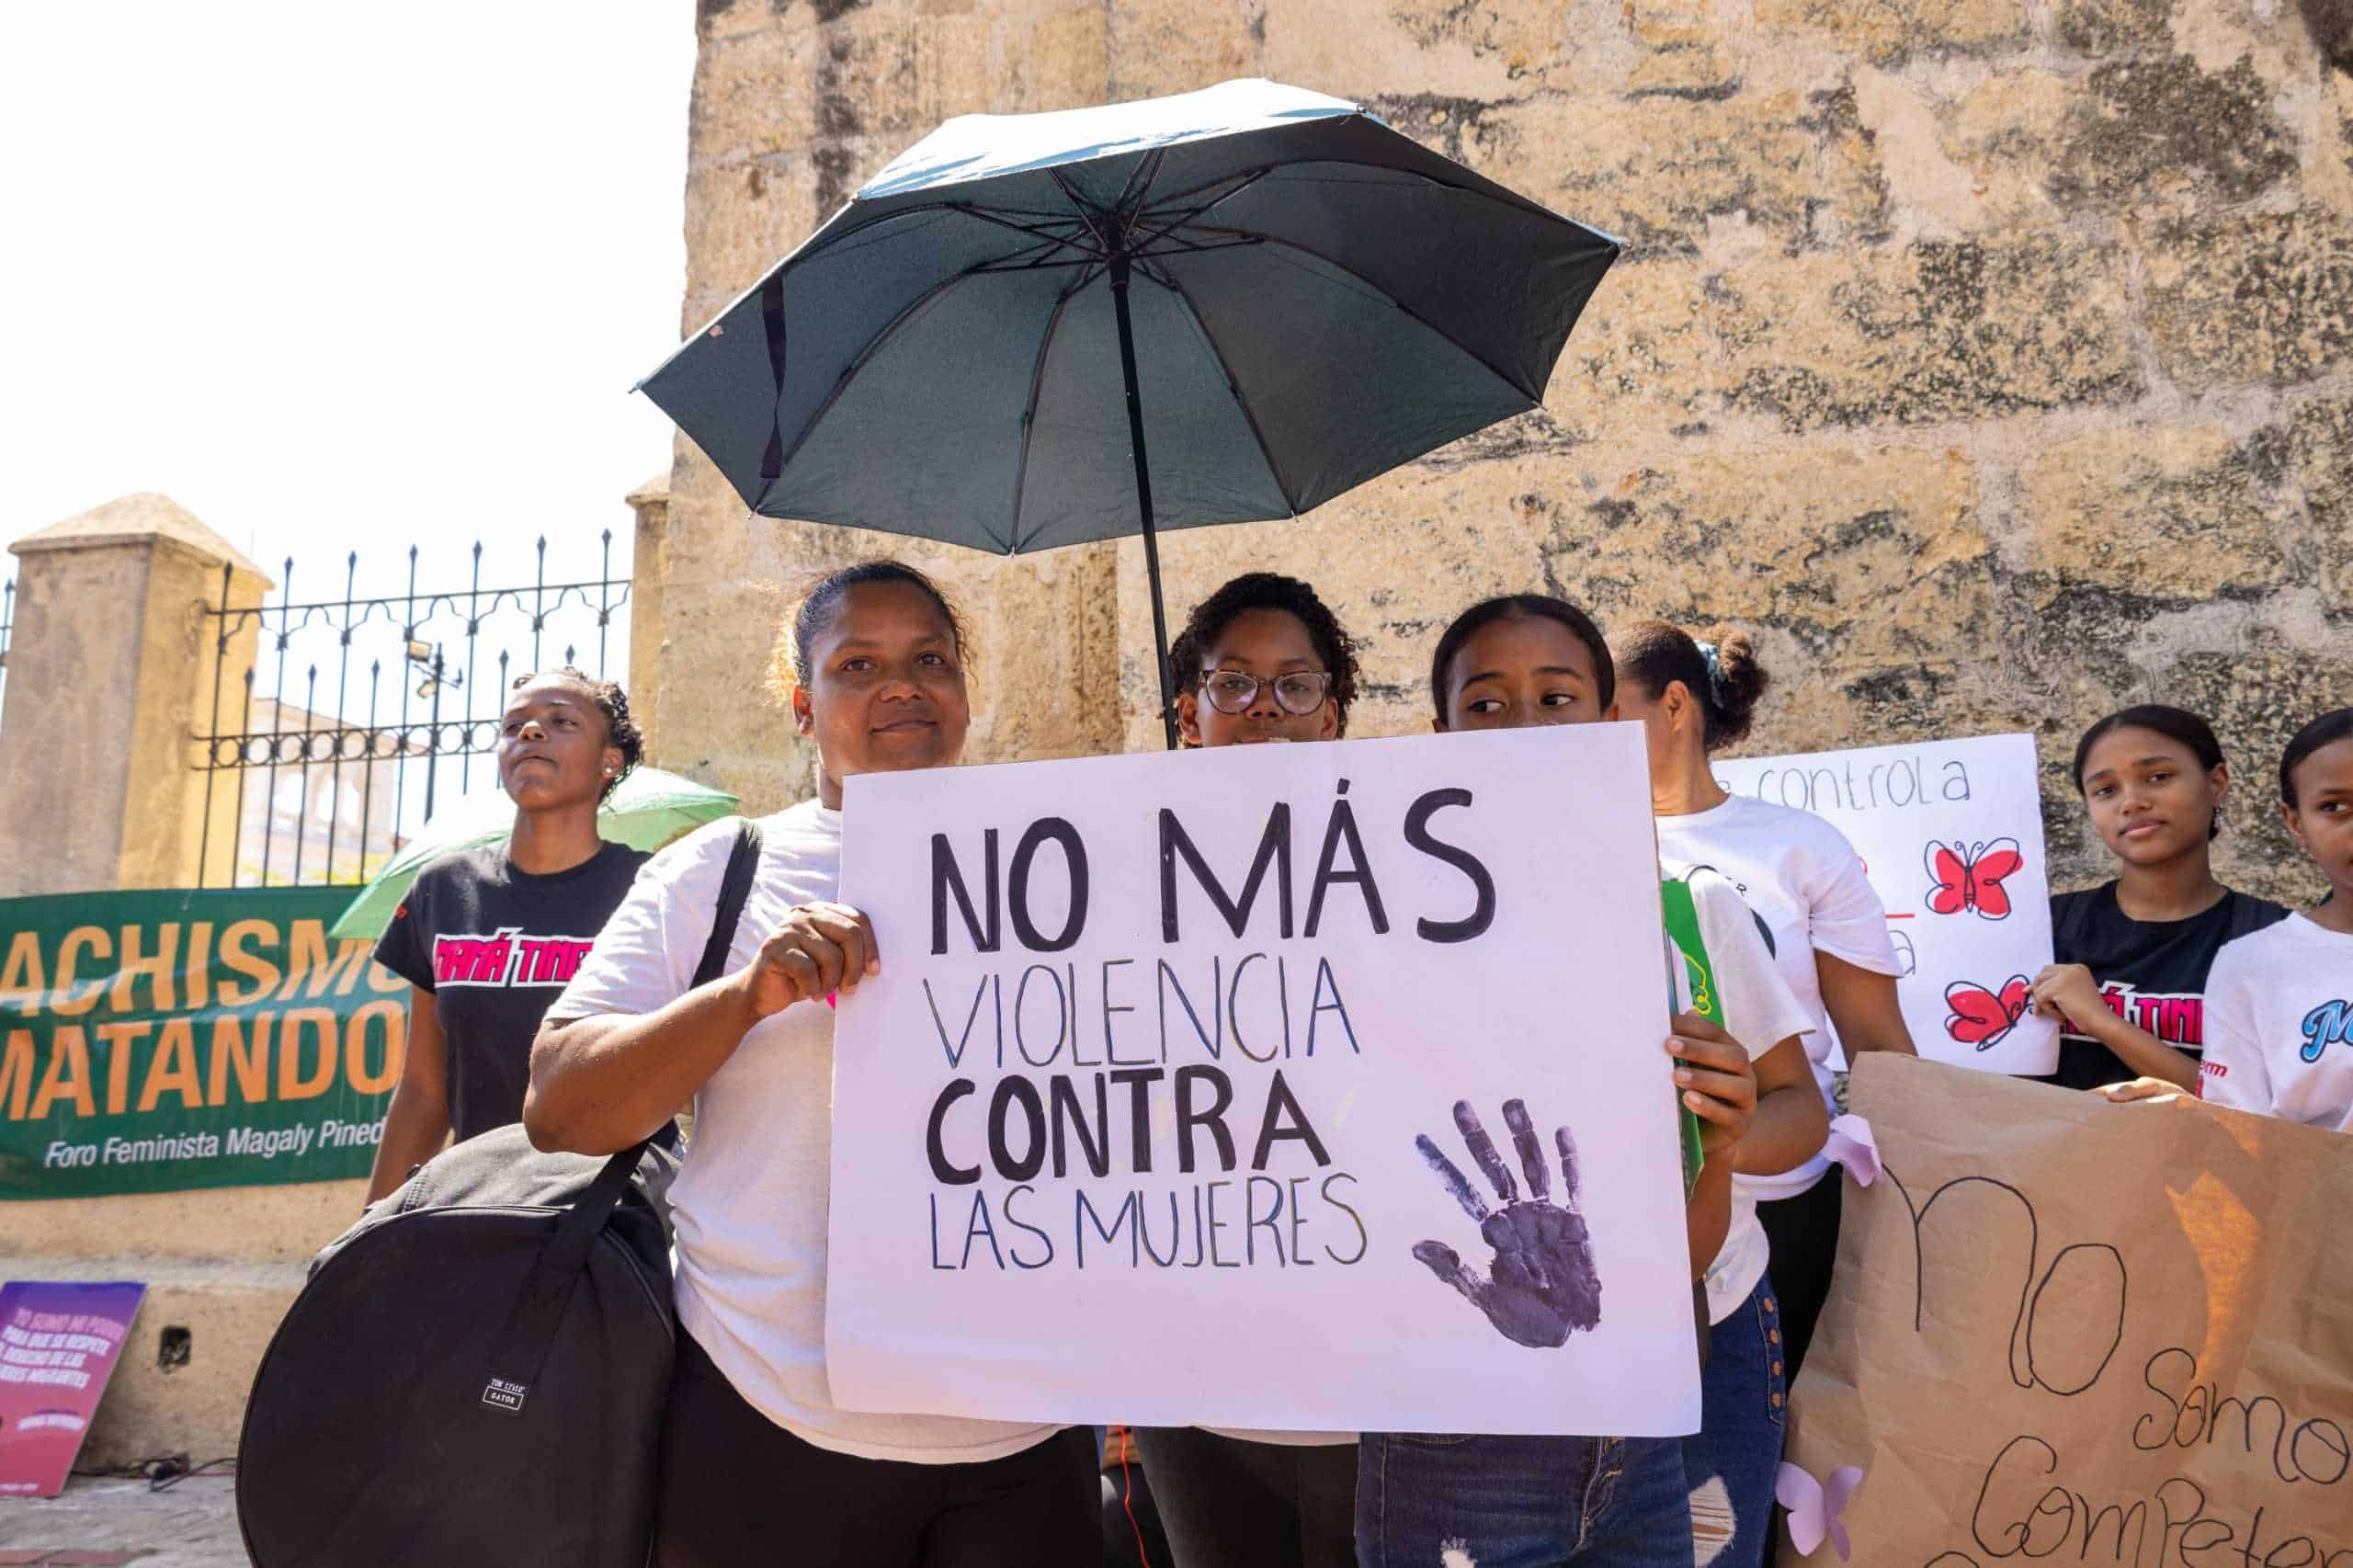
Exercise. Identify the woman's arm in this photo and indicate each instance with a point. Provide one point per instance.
(1791, 1123)
(602, 1083)
(1706, 1215)
(1718, 1082)
(416, 1124)
(2068, 992)
(1862, 1004)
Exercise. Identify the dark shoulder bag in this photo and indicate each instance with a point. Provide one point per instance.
(476, 1371)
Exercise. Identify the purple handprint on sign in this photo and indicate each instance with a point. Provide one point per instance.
(1542, 1287)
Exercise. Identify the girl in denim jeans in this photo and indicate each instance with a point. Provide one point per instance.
(1521, 1502)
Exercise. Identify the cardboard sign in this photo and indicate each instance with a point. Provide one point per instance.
(58, 1346)
(1950, 832)
(2068, 1331)
(1293, 1086)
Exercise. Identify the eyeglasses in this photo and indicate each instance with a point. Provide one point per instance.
(1299, 692)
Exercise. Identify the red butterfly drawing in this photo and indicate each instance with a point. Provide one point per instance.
(1982, 1017)
(1969, 877)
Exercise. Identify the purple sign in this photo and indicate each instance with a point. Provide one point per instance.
(58, 1346)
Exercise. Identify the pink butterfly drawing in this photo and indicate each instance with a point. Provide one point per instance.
(1983, 1017)
(1814, 1507)
(1968, 876)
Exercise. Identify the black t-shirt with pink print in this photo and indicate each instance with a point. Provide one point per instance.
(497, 946)
(2152, 974)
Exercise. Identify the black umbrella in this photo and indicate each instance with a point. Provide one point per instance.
(1269, 292)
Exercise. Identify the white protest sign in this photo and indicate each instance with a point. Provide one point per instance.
(1950, 832)
(1186, 1079)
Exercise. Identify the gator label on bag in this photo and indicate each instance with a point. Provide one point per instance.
(505, 1397)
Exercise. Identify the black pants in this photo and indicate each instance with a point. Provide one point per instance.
(1803, 1231)
(1229, 1503)
(1134, 1536)
(740, 1492)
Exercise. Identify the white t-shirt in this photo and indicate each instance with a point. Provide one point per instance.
(1800, 875)
(1758, 1011)
(2279, 1024)
(750, 1201)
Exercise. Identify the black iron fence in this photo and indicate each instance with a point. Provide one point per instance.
(360, 718)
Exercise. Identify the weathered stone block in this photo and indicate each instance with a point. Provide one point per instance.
(1458, 48)
(2141, 128)
(1870, 556)
(1828, 704)
(2261, 298)
(2002, 130)
(741, 220)
(2138, 133)
(2175, 514)
(1940, 331)
(1159, 47)
(1889, 31)
(2323, 456)
(1653, 171)
(1928, 190)
(856, 90)
(2108, 26)
(1689, 54)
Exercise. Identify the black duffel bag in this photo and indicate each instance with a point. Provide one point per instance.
(476, 1371)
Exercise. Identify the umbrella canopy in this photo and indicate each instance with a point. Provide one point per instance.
(648, 810)
(1269, 292)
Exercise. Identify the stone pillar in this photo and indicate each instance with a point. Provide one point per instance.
(110, 684)
(648, 565)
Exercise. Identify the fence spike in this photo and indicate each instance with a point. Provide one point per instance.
(302, 647)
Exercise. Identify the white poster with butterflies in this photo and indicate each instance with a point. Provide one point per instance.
(1950, 832)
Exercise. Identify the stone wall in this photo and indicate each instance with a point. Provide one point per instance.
(1987, 356)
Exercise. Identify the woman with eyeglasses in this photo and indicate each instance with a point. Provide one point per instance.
(1261, 659)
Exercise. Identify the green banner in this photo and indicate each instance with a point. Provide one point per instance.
(151, 1041)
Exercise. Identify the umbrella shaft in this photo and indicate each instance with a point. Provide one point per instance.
(1143, 496)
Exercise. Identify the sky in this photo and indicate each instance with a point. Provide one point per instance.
(343, 277)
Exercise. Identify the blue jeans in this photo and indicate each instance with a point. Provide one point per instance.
(1735, 1458)
(1521, 1502)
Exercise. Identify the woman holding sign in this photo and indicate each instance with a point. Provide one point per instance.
(2279, 1003)
(1692, 697)
(1527, 660)
(2128, 982)
(1260, 659)
(758, 1465)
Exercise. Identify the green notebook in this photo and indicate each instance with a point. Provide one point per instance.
(1699, 980)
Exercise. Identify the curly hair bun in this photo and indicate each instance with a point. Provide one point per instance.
(1738, 682)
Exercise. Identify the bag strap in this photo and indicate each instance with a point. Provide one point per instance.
(734, 891)
(522, 1349)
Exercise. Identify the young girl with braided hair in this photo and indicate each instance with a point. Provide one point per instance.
(487, 937)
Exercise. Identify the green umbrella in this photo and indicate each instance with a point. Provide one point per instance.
(649, 809)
